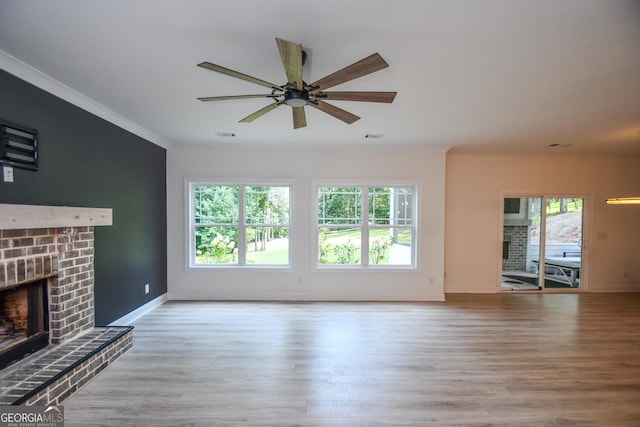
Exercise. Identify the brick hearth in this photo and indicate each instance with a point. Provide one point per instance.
(54, 373)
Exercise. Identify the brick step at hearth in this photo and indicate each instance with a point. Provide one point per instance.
(51, 375)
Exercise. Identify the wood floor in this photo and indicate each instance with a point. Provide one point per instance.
(476, 360)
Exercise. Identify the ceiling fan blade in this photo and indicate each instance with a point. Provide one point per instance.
(261, 112)
(336, 112)
(226, 98)
(361, 68)
(299, 117)
(228, 72)
(386, 97)
(291, 54)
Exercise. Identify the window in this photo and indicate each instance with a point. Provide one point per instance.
(236, 224)
(366, 226)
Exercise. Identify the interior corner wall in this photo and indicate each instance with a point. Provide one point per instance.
(89, 162)
(302, 165)
(476, 182)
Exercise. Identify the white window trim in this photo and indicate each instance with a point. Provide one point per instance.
(190, 183)
(366, 184)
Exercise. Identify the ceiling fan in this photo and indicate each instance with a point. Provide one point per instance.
(297, 94)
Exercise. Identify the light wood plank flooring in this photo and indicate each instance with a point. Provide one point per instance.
(476, 360)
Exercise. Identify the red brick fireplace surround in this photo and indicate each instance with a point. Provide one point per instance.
(56, 244)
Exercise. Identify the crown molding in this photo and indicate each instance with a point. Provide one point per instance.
(37, 78)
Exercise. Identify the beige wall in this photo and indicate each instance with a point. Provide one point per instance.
(460, 241)
(476, 183)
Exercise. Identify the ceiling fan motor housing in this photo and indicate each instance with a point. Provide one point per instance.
(296, 98)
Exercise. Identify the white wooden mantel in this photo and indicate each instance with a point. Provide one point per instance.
(14, 217)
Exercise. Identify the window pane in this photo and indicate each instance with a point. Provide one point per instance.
(390, 246)
(339, 205)
(216, 204)
(267, 245)
(391, 205)
(267, 205)
(339, 245)
(216, 245)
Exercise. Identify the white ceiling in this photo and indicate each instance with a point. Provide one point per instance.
(507, 75)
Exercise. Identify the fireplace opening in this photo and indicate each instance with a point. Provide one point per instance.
(24, 321)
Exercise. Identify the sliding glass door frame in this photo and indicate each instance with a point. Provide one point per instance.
(584, 246)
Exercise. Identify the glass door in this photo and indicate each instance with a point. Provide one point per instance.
(531, 234)
(521, 248)
(563, 242)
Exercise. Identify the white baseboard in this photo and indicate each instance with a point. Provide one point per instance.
(131, 317)
(300, 297)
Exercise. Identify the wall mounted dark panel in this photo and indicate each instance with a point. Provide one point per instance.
(87, 161)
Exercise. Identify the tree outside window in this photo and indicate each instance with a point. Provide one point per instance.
(240, 225)
(368, 226)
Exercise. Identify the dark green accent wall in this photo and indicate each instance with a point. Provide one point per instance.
(87, 161)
